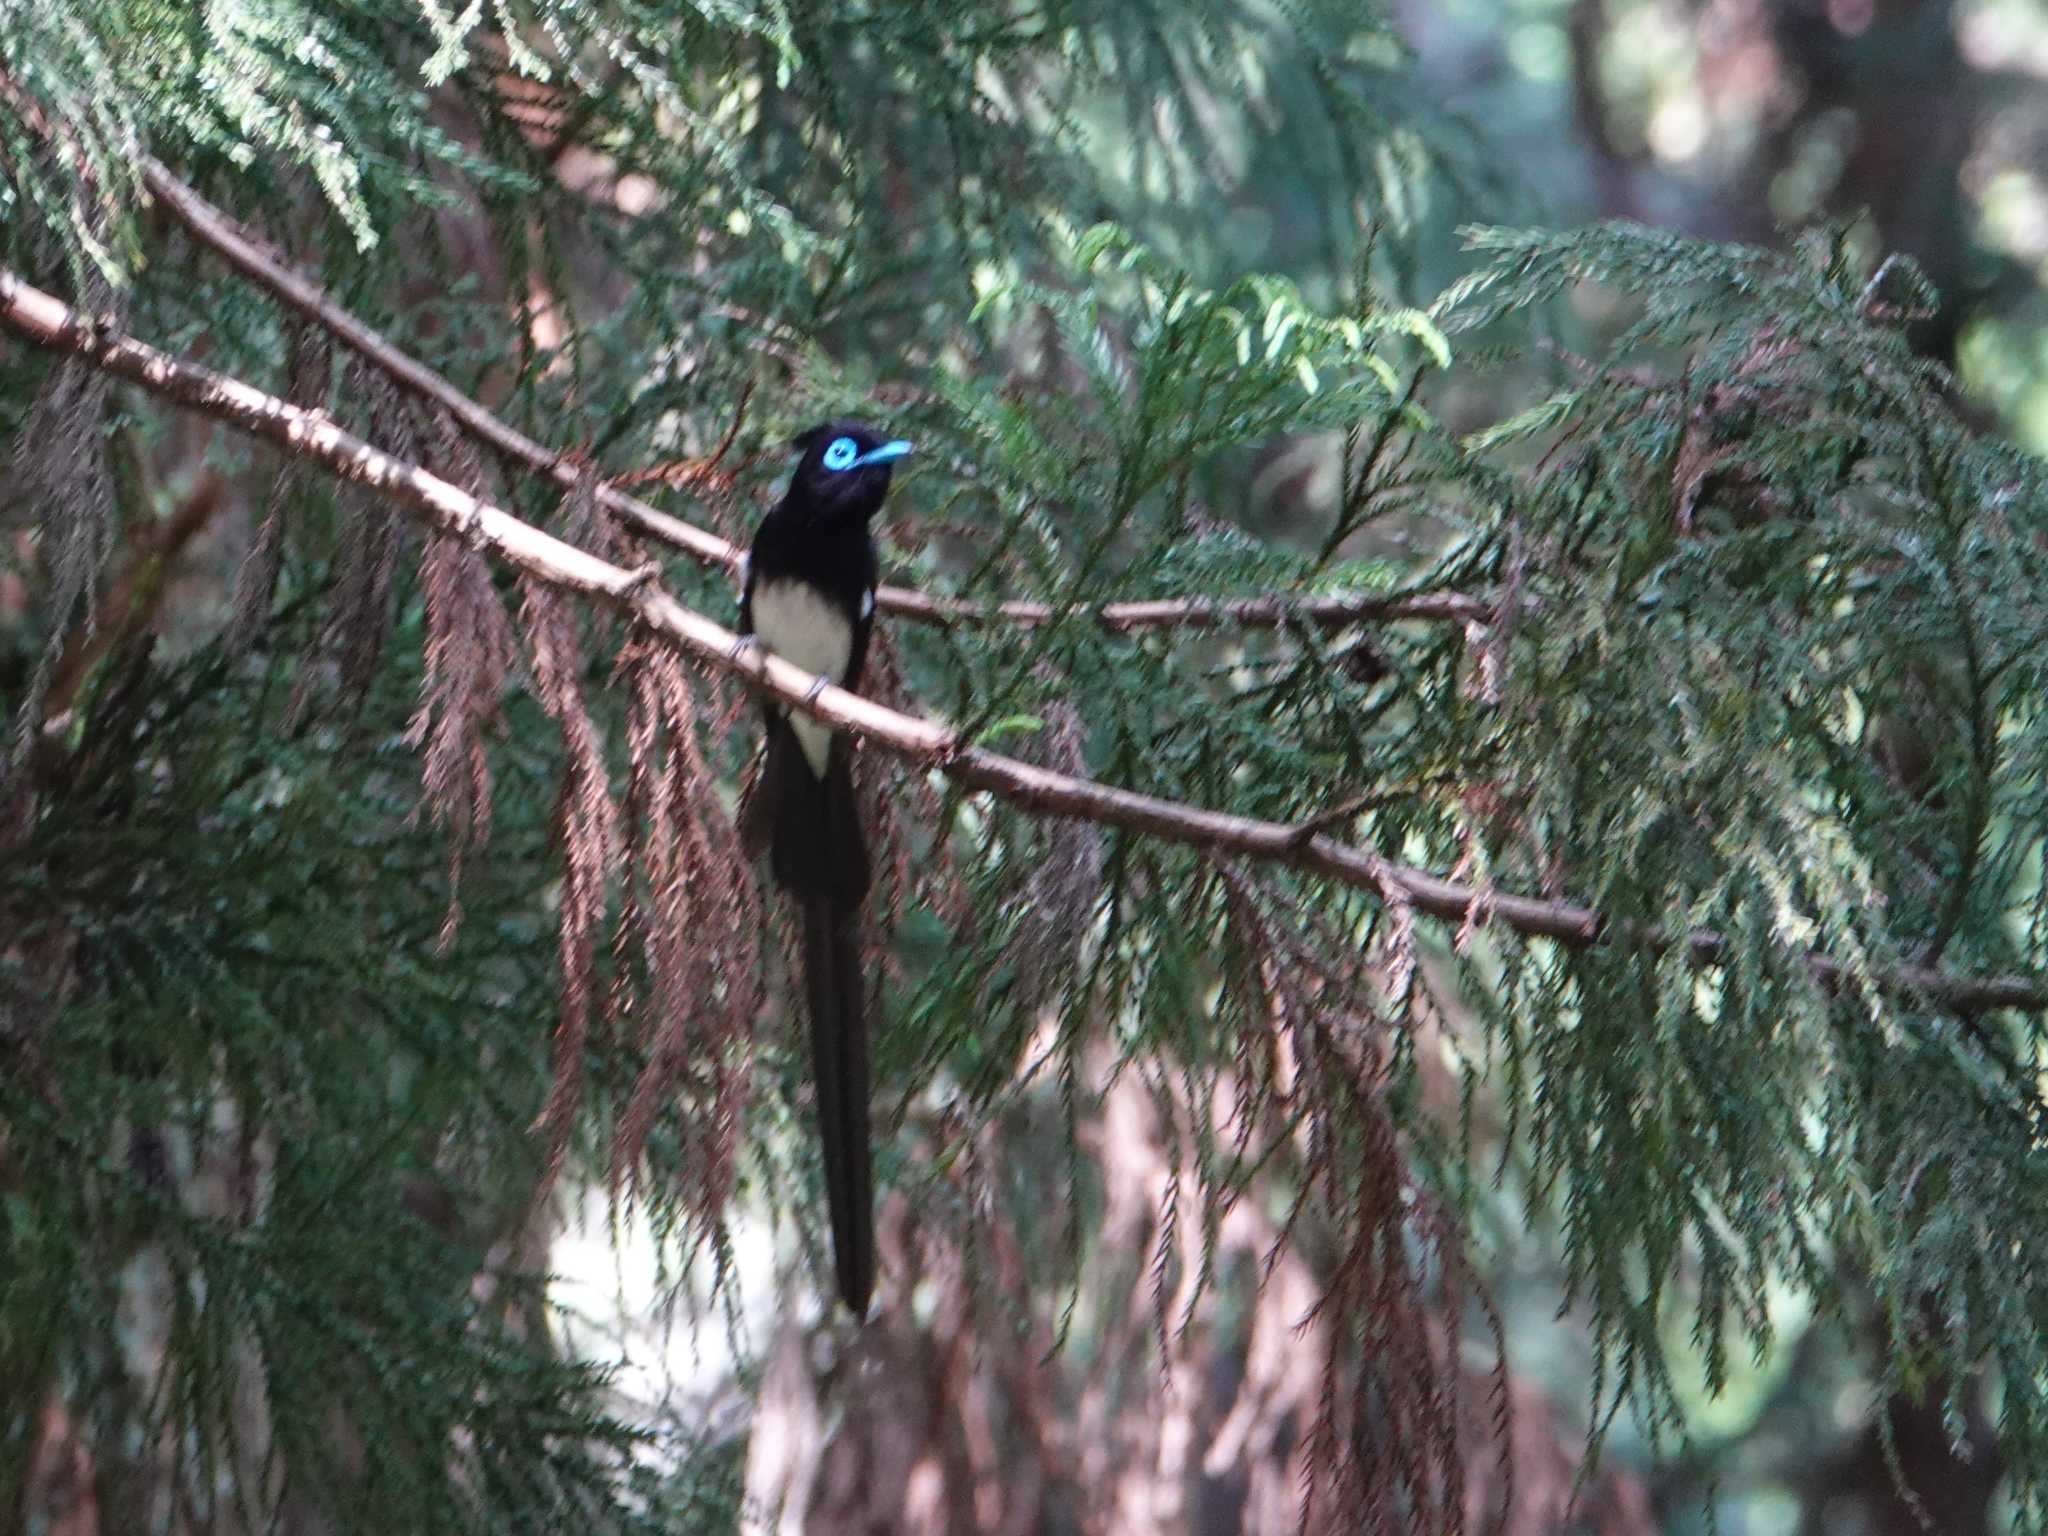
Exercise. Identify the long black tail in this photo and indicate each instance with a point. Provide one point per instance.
(817, 853)
(839, 1061)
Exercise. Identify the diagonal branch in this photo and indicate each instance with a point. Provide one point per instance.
(311, 435)
(247, 254)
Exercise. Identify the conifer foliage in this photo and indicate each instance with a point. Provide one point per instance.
(1647, 836)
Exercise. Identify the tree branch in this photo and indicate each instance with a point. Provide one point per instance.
(48, 322)
(248, 254)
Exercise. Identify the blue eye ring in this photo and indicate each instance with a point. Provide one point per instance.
(840, 453)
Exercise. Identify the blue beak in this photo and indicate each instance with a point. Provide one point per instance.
(883, 454)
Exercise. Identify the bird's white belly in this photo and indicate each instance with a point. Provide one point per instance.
(797, 624)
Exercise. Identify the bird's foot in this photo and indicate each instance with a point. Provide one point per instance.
(817, 687)
(745, 645)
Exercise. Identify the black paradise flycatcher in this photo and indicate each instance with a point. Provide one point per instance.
(809, 595)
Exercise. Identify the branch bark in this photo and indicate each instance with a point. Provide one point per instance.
(311, 435)
(249, 255)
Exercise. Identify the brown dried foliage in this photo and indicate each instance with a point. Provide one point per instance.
(588, 526)
(587, 826)
(1062, 891)
(692, 914)
(1336, 1400)
(963, 1428)
(974, 1419)
(256, 582)
(1708, 464)
(366, 563)
(58, 475)
(133, 594)
(905, 813)
(1386, 1451)
(470, 652)
(1543, 1486)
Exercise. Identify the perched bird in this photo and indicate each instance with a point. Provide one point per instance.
(809, 596)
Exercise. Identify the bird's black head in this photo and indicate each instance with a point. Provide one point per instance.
(845, 468)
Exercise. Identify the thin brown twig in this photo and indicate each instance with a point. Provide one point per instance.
(50, 323)
(692, 474)
(1357, 805)
(250, 256)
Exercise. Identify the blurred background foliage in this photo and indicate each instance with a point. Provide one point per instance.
(1175, 297)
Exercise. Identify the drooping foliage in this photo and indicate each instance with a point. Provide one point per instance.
(1778, 676)
(388, 891)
